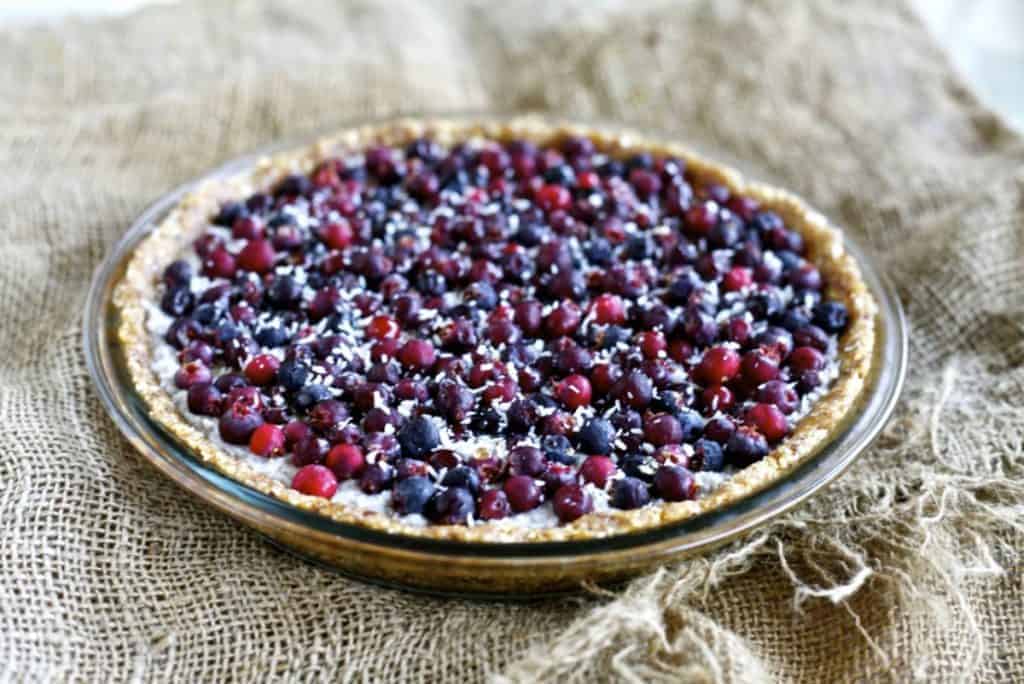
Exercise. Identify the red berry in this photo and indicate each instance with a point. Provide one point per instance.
(417, 355)
(192, 373)
(346, 461)
(663, 429)
(563, 320)
(758, 367)
(247, 228)
(702, 217)
(257, 256)
(805, 359)
(572, 502)
(523, 493)
(718, 365)
(680, 351)
(652, 344)
(267, 440)
(384, 350)
(295, 431)
(609, 310)
(337, 234)
(769, 421)
(383, 327)
(501, 390)
(262, 369)
(552, 197)
(675, 483)
(737, 278)
(219, 264)
(738, 330)
(603, 378)
(315, 480)
(597, 470)
(574, 391)
(717, 398)
(494, 505)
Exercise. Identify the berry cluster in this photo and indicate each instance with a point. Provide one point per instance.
(605, 324)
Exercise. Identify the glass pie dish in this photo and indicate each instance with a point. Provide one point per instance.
(470, 567)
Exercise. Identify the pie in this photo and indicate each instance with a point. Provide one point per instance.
(497, 331)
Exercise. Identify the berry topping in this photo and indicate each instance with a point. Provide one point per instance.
(523, 493)
(587, 320)
(410, 495)
(571, 502)
(674, 483)
(315, 480)
(418, 437)
(267, 440)
(630, 492)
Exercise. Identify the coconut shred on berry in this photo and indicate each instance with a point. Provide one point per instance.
(496, 331)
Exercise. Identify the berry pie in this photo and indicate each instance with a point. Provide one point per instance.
(485, 331)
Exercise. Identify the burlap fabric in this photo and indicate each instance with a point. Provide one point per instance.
(908, 568)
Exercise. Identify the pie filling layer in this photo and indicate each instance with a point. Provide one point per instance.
(495, 330)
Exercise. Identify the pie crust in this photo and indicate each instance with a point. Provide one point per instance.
(825, 249)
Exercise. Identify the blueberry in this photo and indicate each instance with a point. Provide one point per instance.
(612, 167)
(725, 233)
(177, 301)
(692, 424)
(746, 446)
(411, 494)
(482, 294)
(311, 395)
(670, 402)
(229, 213)
(453, 506)
(708, 455)
(640, 247)
(766, 304)
(284, 291)
(292, 375)
(486, 421)
(462, 476)
(178, 273)
(418, 437)
(598, 251)
(686, 282)
(831, 316)
(765, 221)
(629, 493)
(794, 319)
(529, 234)
(790, 260)
(376, 478)
(271, 336)
(208, 313)
(641, 160)
(556, 448)
(280, 219)
(294, 184)
(431, 283)
(640, 466)
(596, 437)
(562, 174)
(227, 331)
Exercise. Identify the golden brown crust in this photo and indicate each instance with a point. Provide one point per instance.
(825, 249)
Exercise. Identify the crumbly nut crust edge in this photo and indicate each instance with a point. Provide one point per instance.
(812, 433)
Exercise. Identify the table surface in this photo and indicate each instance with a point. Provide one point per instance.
(984, 38)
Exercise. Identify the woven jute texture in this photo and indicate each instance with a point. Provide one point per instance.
(908, 568)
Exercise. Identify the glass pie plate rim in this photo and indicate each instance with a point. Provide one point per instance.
(653, 545)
